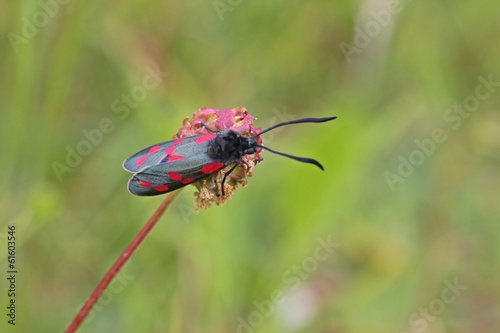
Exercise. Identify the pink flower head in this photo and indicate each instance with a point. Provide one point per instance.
(238, 120)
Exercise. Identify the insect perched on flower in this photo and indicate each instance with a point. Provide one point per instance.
(206, 145)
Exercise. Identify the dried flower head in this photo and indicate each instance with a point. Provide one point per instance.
(207, 120)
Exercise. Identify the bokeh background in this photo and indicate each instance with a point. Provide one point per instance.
(413, 248)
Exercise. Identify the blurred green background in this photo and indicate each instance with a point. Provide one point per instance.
(409, 198)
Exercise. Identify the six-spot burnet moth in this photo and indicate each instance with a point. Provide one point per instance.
(170, 165)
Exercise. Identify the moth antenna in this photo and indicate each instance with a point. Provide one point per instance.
(297, 158)
(296, 121)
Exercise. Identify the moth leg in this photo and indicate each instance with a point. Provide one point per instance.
(225, 176)
(208, 129)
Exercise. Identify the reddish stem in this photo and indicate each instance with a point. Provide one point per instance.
(117, 266)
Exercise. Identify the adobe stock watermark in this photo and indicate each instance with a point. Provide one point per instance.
(379, 20)
(187, 211)
(279, 117)
(453, 117)
(419, 320)
(116, 286)
(31, 25)
(121, 107)
(292, 279)
(223, 6)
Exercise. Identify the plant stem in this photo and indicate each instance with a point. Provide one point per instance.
(117, 266)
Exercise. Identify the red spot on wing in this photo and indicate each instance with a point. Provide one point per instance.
(161, 188)
(212, 167)
(154, 149)
(144, 183)
(140, 161)
(205, 137)
(175, 175)
(179, 141)
(187, 181)
(172, 158)
(170, 150)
